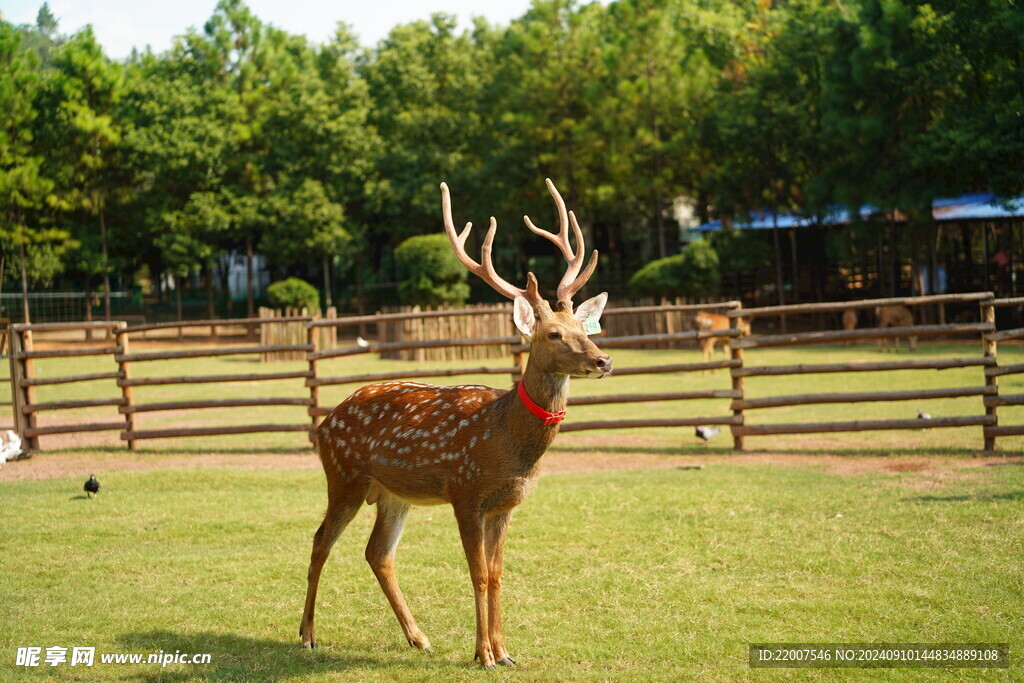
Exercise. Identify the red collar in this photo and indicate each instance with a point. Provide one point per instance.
(548, 417)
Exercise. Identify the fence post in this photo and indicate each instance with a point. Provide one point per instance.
(121, 335)
(312, 338)
(738, 443)
(18, 398)
(988, 315)
(25, 394)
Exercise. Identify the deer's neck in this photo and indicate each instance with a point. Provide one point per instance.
(549, 391)
(530, 436)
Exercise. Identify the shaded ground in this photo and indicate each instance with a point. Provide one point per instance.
(583, 455)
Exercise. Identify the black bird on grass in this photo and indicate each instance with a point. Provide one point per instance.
(92, 487)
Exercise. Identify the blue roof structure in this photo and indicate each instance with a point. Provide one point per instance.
(965, 207)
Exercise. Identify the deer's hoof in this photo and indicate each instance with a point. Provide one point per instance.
(420, 642)
(506, 661)
(486, 660)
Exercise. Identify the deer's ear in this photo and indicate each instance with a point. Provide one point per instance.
(524, 317)
(592, 308)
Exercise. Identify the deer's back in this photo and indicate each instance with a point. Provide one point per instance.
(894, 316)
(418, 442)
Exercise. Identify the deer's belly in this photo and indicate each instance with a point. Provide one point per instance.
(407, 492)
(509, 495)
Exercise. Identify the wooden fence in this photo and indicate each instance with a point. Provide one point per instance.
(24, 382)
(995, 399)
(481, 321)
(746, 403)
(292, 332)
(310, 348)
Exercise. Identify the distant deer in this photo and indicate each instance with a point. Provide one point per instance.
(849, 323)
(717, 321)
(895, 316)
(475, 448)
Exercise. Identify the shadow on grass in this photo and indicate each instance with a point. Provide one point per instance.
(299, 450)
(725, 450)
(235, 657)
(978, 498)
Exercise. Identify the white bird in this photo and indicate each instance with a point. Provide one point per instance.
(362, 342)
(706, 433)
(921, 415)
(12, 449)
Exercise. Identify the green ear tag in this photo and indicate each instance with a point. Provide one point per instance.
(591, 326)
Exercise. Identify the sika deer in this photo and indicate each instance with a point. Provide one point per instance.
(717, 321)
(895, 316)
(475, 448)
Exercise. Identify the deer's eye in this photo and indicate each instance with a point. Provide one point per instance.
(554, 335)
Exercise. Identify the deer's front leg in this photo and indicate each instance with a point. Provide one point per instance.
(471, 529)
(495, 530)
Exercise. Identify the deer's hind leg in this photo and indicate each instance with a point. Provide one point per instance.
(380, 554)
(343, 502)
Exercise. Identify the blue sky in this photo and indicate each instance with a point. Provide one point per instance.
(121, 24)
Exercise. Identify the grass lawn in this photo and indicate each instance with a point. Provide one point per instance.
(661, 574)
(638, 575)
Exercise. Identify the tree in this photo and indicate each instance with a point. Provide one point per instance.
(309, 226)
(183, 253)
(249, 63)
(24, 186)
(175, 148)
(425, 82)
(432, 273)
(80, 102)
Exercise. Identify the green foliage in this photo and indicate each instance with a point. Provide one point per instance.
(742, 249)
(693, 273)
(294, 293)
(326, 156)
(433, 275)
(308, 225)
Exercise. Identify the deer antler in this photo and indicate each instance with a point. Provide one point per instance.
(572, 281)
(485, 270)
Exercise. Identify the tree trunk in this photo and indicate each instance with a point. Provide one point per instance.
(250, 287)
(795, 269)
(778, 264)
(211, 308)
(327, 283)
(106, 270)
(360, 306)
(88, 307)
(24, 284)
(177, 291)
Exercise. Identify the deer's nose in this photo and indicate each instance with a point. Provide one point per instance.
(604, 364)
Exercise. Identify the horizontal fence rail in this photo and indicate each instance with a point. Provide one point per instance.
(737, 407)
(835, 306)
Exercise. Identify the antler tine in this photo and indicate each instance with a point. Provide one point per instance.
(484, 271)
(561, 239)
(573, 280)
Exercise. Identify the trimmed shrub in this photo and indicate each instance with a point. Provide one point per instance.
(431, 273)
(693, 273)
(294, 293)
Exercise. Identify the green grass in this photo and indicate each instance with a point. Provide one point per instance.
(636, 576)
(945, 440)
